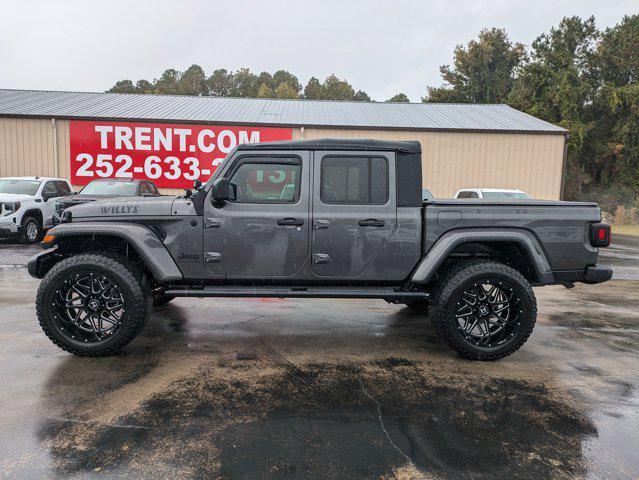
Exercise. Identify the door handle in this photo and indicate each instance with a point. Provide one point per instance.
(290, 222)
(320, 224)
(371, 222)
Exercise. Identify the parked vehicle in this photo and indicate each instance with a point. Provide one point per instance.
(105, 189)
(26, 205)
(492, 194)
(352, 226)
(427, 196)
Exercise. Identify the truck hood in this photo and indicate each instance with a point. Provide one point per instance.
(13, 197)
(124, 207)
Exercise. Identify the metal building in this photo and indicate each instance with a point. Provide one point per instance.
(463, 145)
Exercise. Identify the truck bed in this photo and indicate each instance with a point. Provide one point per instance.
(562, 228)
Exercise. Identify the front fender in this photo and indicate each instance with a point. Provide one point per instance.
(145, 242)
(447, 243)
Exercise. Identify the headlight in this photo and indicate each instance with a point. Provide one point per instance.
(9, 208)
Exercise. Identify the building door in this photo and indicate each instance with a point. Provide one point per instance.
(354, 210)
(263, 232)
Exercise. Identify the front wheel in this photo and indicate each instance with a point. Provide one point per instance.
(31, 230)
(484, 310)
(93, 304)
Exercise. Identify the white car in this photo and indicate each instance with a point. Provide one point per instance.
(492, 194)
(26, 209)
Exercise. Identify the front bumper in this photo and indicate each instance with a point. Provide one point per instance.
(41, 263)
(592, 274)
(8, 229)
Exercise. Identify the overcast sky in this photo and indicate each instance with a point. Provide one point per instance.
(381, 47)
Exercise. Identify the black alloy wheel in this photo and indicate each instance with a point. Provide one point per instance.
(488, 313)
(89, 307)
(483, 309)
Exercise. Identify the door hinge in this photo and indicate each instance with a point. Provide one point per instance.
(321, 258)
(213, 257)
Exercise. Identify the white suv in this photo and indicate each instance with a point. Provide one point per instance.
(26, 209)
(492, 194)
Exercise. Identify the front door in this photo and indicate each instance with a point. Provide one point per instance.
(354, 210)
(264, 231)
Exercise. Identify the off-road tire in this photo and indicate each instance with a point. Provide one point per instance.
(449, 290)
(25, 230)
(160, 299)
(126, 275)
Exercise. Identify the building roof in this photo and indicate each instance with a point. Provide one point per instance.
(337, 144)
(272, 112)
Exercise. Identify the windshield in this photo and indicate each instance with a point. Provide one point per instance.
(500, 195)
(25, 187)
(104, 187)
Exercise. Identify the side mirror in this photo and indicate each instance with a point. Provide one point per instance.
(47, 197)
(220, 190)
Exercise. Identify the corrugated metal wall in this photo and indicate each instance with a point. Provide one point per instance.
(531, 162)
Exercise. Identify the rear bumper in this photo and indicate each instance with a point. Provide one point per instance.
(591, 274)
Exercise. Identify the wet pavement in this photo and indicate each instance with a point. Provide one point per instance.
(235, 389)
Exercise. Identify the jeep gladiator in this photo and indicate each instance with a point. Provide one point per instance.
(315, 218)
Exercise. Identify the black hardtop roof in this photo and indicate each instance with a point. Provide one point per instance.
(336, 144)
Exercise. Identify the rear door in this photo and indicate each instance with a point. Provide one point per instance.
(354, 210)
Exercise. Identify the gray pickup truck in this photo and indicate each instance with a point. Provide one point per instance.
(315, 218)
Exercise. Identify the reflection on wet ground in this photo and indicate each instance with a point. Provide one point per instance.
(324, 389)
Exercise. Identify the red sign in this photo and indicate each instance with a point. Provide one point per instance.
(171, 155)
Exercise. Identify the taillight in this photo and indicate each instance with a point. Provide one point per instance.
(600, 235)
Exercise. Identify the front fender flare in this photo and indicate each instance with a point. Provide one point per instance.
(447, 243)
(146, 243)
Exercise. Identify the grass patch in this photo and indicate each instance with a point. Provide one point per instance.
(626, 229)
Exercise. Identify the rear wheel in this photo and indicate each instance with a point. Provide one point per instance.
(31, 230)
(484, 310)
(92, 305)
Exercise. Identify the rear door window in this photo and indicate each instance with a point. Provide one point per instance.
(354, 180)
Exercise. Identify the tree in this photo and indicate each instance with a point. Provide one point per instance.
(335, 89)
(193, 82)
(557, 85)
(284, 90)
(482, 72)
(123, 86)
(219, 83)
(282, 76)
(167, 83)
(313, 89)
(361, 96)
(243, 84)
(265, 91)
(614, 139)
(144, 86)
(399, 98)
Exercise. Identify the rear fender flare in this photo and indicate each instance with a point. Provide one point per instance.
(146, 243)
(449, 241)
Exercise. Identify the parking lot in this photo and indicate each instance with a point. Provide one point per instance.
(267, 388)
